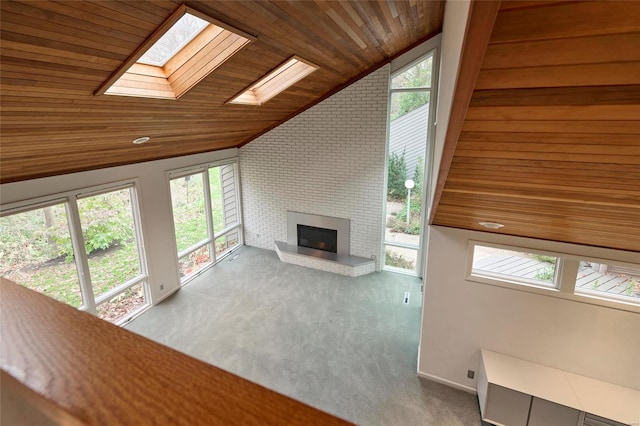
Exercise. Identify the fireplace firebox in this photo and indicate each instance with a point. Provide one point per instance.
(318, 238)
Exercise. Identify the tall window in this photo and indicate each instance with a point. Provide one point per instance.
(83, 249)
(206, 215)
(410, 115)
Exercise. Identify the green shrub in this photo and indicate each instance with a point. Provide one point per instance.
(400, 223)
(543, 258)
(418, 177)
(545, 274)
(397, 176)
(392, 259)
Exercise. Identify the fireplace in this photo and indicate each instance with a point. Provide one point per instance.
(318, 238)
(321, 242)
(328, 234)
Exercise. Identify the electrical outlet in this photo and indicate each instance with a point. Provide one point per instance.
(373, 257)
(161, 287)
(471, 374)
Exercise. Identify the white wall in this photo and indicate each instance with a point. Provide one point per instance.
(329, 160)
(155, 206)
(453, 30)
(460, 317)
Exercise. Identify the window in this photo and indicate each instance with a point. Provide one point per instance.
(278, 80)
(521, 267)
(84, 249)
(185, 49)
(596, 281)
(410, 129)
(206, 216)
(36, 251)
(608, 280)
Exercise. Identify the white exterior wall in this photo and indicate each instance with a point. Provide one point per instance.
(155, 206)
(329, 160)
(461, 317)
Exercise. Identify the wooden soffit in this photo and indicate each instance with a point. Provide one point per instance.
(549, 144)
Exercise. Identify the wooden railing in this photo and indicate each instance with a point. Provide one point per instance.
(73, 368)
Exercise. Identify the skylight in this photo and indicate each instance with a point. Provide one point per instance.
(184, 50)
(181, 33)
(278, 80)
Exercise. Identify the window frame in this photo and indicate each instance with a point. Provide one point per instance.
(212, 234)
(69, 199)
(432, 49)
(565, 278)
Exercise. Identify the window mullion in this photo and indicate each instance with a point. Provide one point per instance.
(568, 275)
(137, 225)
(236, 180)
(80, 255)
(209, 215)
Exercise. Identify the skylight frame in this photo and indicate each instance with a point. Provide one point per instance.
(250, 96)
(137, 79)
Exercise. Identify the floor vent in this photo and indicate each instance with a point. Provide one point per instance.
(406, 297)
(234, 258)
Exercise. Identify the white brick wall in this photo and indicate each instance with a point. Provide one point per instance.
(329, 160)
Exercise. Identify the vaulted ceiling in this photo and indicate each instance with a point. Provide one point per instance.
(544, 135)
(55, 54)
(549, 145)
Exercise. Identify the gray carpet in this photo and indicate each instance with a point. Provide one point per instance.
(347, 346)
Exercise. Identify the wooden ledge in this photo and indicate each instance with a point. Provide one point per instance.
(76, 368)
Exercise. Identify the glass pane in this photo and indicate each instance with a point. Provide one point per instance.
(224, 206)
(109, 239)
(194, 262)
(181, 33)
(407, 150)
(527, 268)
(418, 75)
(36, 252)
(610, 281)
(122, 305)
(400, 257)
(227, 241)
(402, 103)
(189, 216)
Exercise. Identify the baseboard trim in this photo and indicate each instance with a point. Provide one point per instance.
(449, 383)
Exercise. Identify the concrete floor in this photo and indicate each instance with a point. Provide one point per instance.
(345, 345)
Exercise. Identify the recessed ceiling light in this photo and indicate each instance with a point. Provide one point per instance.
(491, 225)
(140, 141)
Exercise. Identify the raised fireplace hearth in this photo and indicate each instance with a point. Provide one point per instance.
(321, 242)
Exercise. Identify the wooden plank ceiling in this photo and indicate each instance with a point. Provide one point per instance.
(55, 54)
(550, 144)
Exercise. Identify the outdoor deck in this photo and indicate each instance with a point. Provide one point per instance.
(589, 280)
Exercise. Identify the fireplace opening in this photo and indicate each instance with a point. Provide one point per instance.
(318, 238)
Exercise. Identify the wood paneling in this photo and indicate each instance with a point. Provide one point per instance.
(550, 143)
(55, 54)
(77, 369)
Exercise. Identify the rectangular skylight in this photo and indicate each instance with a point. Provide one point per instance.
(178, 55)
(177, 37)
(278, 80)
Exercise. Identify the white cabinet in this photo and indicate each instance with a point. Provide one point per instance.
(504, 406)
(546, 413)
(514, 392)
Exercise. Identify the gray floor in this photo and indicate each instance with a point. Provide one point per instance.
(345, 345)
